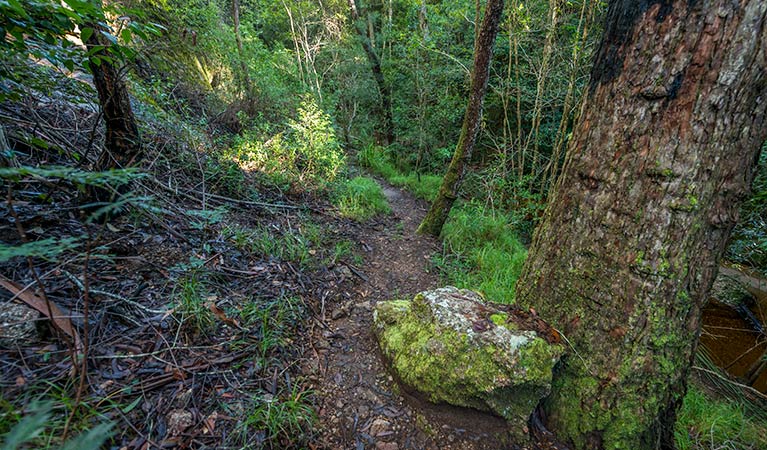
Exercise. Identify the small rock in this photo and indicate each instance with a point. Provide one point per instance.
(387, 446)
(364, 306)
(17, 325)
(178, 421)
(339, 313)
(344, 272)
(379, 427)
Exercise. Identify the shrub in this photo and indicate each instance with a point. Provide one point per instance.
(307, 154)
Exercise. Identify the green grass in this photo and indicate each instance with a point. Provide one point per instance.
(36, 417)
(706, 423)
(33, 426)
(268, 242)
(280, 421)
(481, 252)
(269, 324)
(194, 315)
(342, 250)
(426, 187)
(377, 160)
(360, 199)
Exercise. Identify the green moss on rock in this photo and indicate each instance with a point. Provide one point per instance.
(453, 347)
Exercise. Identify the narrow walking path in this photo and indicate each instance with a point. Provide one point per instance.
(361, 405)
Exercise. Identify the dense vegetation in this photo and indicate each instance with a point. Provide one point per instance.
(280, 106)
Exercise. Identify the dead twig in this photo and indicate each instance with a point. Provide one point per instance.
(188, 195)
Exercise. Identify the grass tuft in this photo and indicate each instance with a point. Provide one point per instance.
(706, 423)
(482, 252)
(360, 199)
(281, 421)
(195, 317)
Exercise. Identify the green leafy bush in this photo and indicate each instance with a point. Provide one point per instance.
(316, 153)
(360, 199)
(307, 155)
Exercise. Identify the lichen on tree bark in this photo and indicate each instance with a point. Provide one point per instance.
(630, 243)
(483, 52)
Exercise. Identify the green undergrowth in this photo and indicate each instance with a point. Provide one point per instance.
(283, 419)
(481, 252)
(303, 153)
(481, 248)
(271, 242)
(707, 423)
(748, 243)
(37, 418)
(30, 429)
(378, 161)
(360, 198)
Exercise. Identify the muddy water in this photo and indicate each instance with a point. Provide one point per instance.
(732, 342)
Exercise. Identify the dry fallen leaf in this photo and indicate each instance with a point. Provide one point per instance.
(209, 424)
(48, 309)
(222, 315)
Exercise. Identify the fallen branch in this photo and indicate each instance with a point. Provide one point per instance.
(188, 195)
(748, 389)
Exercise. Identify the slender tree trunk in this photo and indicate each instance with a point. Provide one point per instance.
(518, 77)
(571, 97)
(240, 51)
(630, 244)
(375, 67)
(451, 183)
(297, 48)
(123, 142)
(543, 73)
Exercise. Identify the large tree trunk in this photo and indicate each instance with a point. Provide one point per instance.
(629, 246)
(375, 67)
(483, 55)
(123, 142)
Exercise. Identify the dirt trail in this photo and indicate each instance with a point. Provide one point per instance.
(361, 407)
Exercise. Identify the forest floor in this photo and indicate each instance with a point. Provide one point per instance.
(360, 405)
(218, 323)
(211, 309)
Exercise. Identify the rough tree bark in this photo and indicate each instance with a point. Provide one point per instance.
(480, 74)
(629, 246)
(375, 67)
(122, 142)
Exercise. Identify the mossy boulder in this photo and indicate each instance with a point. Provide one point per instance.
(453, 347)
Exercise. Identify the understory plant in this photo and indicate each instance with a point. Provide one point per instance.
(306, 155)
(360, 198)
(482, 252)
